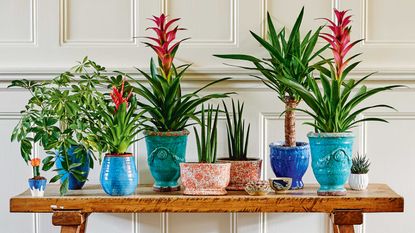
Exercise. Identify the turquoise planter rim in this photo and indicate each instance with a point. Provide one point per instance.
(330, 135)
(280, 145)
(119, 155)
(184, 132)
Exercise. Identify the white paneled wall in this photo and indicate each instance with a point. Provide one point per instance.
(40, 38)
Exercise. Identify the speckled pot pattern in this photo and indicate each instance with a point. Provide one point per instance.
(243, 172)
(205, 178)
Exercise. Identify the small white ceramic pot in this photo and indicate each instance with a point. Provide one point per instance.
(358, 181)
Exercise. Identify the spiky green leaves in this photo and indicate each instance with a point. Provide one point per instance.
(360, 164)
(207, 140)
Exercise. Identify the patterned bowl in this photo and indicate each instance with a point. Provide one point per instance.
(258, 188)
(280, 184)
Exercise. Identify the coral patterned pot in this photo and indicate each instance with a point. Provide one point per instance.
(359, 181)
(243, 172)
(205, 178)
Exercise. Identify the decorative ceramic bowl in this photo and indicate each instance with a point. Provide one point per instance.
(258, 188)
(280, 184)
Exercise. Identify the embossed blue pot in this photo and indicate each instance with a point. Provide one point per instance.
(331, 160)
(119, 175)
(165, 152)
(290, 161)
(73, 158)
(37, 187)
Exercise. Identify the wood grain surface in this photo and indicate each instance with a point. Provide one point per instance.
(378, 198)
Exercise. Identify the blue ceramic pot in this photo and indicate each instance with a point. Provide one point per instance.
(290, 161)
(119, 175)
(331, 160)
(73, 158)
(37, 187)
(165, 152)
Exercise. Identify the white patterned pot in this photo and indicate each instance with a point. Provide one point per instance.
(358, 181)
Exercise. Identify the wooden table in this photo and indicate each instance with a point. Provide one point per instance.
(71, 211)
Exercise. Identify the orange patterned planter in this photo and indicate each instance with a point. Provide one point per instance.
(205, 178)
(242, 172)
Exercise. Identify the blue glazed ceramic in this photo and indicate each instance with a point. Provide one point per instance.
(37, 187)
(119, 175)
(165, 152)
(331, 160)
(290, 161)
(73, 182)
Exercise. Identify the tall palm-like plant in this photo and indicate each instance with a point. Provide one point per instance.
(290, 57)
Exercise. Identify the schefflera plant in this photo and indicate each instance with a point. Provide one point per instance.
(207, 177)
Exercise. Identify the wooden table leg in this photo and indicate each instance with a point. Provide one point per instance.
(70, 221)
(344, 220)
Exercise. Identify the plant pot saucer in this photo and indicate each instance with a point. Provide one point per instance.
(166, 189)
(332, 193)
(204, 192)
(236, 187)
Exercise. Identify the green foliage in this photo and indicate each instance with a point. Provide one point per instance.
(237, 133)
(207, 141)
(360, 164)
(55, 116)
(290, 57)
(168, 109)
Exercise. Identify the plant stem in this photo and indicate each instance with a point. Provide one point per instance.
(36, 171)
(290, 104)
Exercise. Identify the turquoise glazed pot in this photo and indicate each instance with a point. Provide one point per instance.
(119, 175)
(290, 161)
(331, 160)
(74, 184)
(165, 152)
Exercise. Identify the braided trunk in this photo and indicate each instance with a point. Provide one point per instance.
(290, 103)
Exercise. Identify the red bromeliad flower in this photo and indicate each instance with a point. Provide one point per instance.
(163, 47)
(339, 40)
(35, 162)
(118, 96)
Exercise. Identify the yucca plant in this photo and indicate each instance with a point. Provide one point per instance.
(237, 132)
(168, 109)
(207, 141)
(334, 108)
(290, 57)
(360, 164)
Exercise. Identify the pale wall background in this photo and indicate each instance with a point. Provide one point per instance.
(40, 38)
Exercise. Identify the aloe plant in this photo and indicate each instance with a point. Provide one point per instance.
(290, 57)
(334, 108)
(207, 141)
(360, 164)
(237, 132)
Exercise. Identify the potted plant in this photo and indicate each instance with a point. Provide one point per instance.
(169, 110)
(334, 109)
(54, 118)
(243, 169)
(289, 57)
(113, 129)
(37, 184)
(359, 179)
(206, 177)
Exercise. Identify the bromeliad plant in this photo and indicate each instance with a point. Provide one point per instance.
(333, 107)
(290, 57)
(207, 141)
(237, 132)
(167, 107)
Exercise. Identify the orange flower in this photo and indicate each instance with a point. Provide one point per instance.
(35, 162)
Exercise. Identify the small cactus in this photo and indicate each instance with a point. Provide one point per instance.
(360, 164)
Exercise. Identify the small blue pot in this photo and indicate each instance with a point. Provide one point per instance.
(119, 175)
(37, 187)
(165, 152)
(331, 156)
(290, 161)
(74, 184)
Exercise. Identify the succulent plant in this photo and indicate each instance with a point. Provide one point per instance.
(360, 164)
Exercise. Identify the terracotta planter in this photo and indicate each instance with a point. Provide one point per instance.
(205, 178)
(243, 172)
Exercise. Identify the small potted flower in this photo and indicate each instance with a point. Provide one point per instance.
(206, 177)
(243, 169)
(290, 56)
(334, 108)
(169, 110)
(359, 179)
(114, 127)
(37, 184)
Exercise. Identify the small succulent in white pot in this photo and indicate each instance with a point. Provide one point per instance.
(359, 179)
